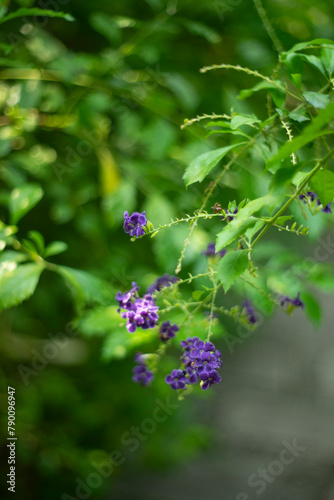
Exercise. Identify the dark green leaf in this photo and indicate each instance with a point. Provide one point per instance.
(36, 12)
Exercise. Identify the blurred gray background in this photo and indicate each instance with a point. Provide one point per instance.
(278, 386)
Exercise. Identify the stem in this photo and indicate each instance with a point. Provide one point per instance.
(268, 26)
(214, 293)
(288, 203)
(250, 72)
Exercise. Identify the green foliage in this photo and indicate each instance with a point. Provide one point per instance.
(231, 267)
(35, 12)
(323, 184)
(18, 283)
(90, 127)
(202, 166)
(23, 199)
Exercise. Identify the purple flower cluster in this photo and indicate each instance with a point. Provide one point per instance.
(162, 282)
(297, 302)
(141, 374)
(200, 361)
(211, 251)
(139, 312)
(250, 312)
(168, 331)
(134, 223)
(313, 196)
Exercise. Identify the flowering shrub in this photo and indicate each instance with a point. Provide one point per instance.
(288, 179)
(269, 166)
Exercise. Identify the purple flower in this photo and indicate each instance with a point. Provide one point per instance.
(177, 379)
(313, 196)
(162, 282)
(124, 300)
(231, 215)
(134, 223)
(140, 312)
(209, 378)
(141, 374)
(297, 302)
(250, 312)
(211, 251)
(327, 209)
(200, 360)
(168, 331)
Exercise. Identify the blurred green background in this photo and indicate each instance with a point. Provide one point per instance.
(91, 111)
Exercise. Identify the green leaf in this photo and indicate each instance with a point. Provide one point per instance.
(239, 120)
(38, 239)
(310, 133)
(100, 321)
(231, 267)
(241, 222)
(282, 220)
(313, 61)
(303, 45)
(327, 58)
(277, 93)
(17, 283)
(23, 199)
(36, 12)
(323, 184)
(317, 100)
(55, 248)
(312, 308)
(201, 166)
(85, 287)
(299, 116)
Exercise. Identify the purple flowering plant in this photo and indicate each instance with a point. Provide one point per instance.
(186, 308)
(209, 264)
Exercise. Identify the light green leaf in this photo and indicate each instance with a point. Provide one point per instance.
(303, 45)
(55, 248)
(241, 222)
(201, 166)
(299, 116)
(327, 58)
(317, 100)
(231, 267)
(312, 308)
(17, 283)
(282, 220)
(36, 12)
(85, 287)
(23, 199)
(100, 321)
(310, 133)
(239, 120)
(313, 61)
(38, 239)
(323, 184)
